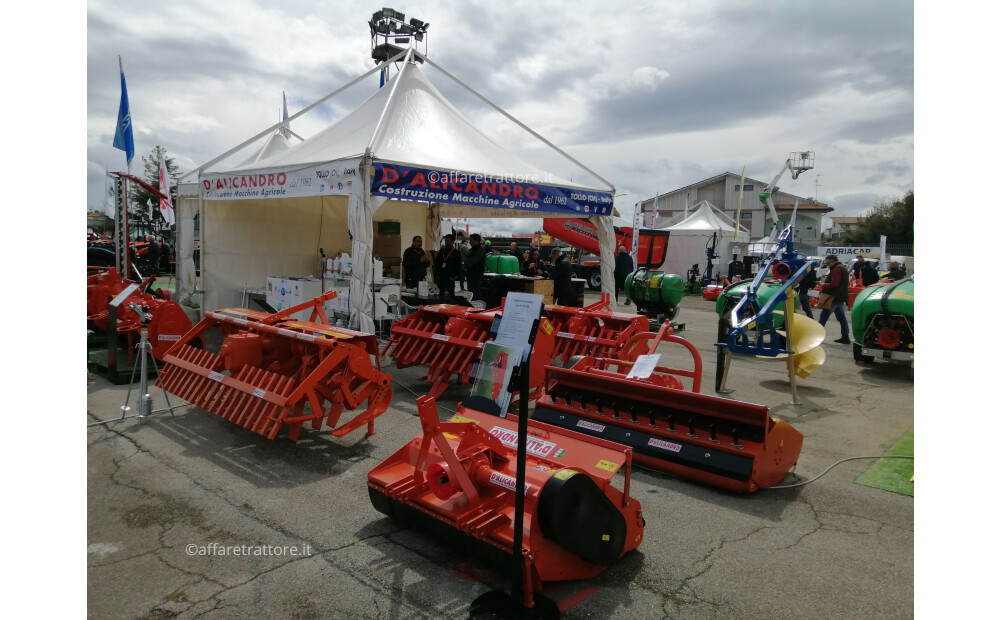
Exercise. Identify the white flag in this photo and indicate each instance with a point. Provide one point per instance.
(166, 205)
(110, 199)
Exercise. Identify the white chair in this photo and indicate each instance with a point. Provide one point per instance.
(478, 304)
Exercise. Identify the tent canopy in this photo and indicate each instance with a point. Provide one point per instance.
(405, 142)
(694, 235)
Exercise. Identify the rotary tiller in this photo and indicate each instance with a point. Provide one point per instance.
(270, 367)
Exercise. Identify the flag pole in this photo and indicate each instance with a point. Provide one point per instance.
(128, 165)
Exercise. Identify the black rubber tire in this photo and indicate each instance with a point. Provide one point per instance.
(594, 279)
(863, 359)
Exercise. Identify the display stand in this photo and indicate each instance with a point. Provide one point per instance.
(518, 326)
(144, 400)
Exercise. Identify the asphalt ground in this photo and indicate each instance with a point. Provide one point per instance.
(166, 495)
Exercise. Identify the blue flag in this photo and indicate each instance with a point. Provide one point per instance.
(123, 134)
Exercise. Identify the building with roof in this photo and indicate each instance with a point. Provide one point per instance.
(724, 191)
(842, 225)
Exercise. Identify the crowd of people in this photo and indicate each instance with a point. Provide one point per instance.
(465, 263)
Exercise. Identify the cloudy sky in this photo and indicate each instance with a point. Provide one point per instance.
(651, 96)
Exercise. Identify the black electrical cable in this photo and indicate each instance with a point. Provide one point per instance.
(852, 458)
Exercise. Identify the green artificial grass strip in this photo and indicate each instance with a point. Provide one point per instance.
(892, 474)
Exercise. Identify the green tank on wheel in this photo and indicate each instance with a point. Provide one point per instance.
(655, 291)
(882, 322)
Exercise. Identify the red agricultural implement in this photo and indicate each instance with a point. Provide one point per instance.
(169, 321)
(448, 339)
(725, 443)
(457, 479)
(273, 372)
(593, 330)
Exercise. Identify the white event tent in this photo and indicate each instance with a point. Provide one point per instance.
(405, 153)
(692, 236)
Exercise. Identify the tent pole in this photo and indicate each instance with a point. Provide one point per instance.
(290, 119)
(519, 123)
(388, 102)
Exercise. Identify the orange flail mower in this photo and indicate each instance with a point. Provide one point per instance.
(270, 368)
(726, 443)
(460, 476)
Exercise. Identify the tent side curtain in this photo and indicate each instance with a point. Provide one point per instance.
(248, 240)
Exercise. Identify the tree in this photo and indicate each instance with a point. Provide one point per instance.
(140, 197)
(890, 217)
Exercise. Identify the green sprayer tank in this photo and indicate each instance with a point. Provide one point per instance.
(502, 263)
(882, 322)
(655, 290)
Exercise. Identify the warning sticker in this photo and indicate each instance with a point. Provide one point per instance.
(546, 326)
(564, 474)
(607, 465)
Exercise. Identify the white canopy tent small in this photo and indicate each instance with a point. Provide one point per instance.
(405, 144)
(691, 237)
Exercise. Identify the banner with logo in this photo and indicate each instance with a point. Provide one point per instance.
(481, 190)
(331, 179)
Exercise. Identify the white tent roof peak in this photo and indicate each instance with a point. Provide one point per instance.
(706, 217)
(419, 128)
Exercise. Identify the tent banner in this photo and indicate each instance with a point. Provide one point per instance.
(339, 178)
(519, 192)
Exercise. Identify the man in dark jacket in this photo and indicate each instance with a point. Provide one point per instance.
(475, 265)
(869, 275)
(415, 262)
(562, 276)
(446, 266)
(623, 267)
(806, 284)
(895, 272)
(835, 283)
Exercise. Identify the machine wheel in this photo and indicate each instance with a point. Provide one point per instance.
(594, 280)
(862, 359)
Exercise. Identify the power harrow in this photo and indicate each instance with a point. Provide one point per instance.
(593, 330)
(270, 367)
(726, 443)
(458, 477)
(449, 339)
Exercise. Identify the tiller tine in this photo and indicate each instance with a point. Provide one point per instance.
(457, 479)
(594, 330)
(276, 367)
(725, 443)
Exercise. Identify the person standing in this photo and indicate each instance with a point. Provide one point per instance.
(533, 266)
(835, 283)
(623, 267)
(895, 272)
(475, 265)
(446, 266)
(562, 277)
(463, 249)
(415, 262)
(869, 275)
(806, 284)
(516, 254)
(153, 255)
